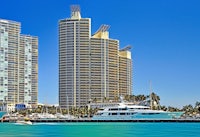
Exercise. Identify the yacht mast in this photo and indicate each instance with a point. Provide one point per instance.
(67, 106)
(151, 105)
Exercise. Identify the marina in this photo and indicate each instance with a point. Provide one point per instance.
(120, 112)
(139, 120)
(86, 120)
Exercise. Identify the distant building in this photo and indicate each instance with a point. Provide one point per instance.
(18, 65)
(20, 107)
(89, 66)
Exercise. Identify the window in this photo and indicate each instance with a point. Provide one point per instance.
(113, 109)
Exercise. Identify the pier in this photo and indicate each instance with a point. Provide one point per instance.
(89, 120)
(100, 121)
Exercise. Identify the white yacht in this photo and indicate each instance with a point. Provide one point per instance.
(125, 111)
(43, 116)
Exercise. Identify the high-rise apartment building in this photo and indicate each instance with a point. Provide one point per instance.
(88, 64)
(74, 55)
(125, 72)
(18, 65)
(103, 66)
(28, 70)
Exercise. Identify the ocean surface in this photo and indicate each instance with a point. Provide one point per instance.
(100, 130)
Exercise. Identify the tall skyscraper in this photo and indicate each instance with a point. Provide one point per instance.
(74, 55)
(88, 64)
(28, 70)
(125, 72)
(103, 66)
(18, 65)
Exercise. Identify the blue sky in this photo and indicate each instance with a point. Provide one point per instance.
(164, 34)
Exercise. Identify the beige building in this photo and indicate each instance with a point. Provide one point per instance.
(18, 65)
(125, 73)
(74, 35)
(88, 64)
(103, 66)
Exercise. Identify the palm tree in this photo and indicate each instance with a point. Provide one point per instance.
(172, 109)
(132, 98)
(163, 108)
(155, 100)
(127, 97)
(116, 98)
(197, 104)
(197, 107)
(94, 100)
(140, 98)
(188, 109)
(105, 99)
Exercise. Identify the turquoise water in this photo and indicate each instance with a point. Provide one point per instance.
(101, 130)
(2, 113)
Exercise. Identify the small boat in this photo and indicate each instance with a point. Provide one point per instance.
(46, 116)
(67, 116)
(26, 121)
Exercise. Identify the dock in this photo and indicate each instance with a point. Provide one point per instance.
(100, 121)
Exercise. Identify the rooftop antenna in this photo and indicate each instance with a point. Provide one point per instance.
(75, 12)
(103, 28)
(128, 47)
(102, 32)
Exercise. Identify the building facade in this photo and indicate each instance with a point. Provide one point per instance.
(15, 71)
(125, 73)
(28, 70)
(74, 34)
(103, 66)
(88, 64)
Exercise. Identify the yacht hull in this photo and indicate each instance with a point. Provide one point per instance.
(141, 116)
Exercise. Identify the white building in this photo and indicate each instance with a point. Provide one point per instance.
(18, 65)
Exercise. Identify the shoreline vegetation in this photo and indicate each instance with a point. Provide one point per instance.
(189, 110)
(152, 100)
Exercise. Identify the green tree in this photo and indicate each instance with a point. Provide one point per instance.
(163, 108)
(197, 107)
(173, 109)
(140, 98)
(155, 101)
(188, 109)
